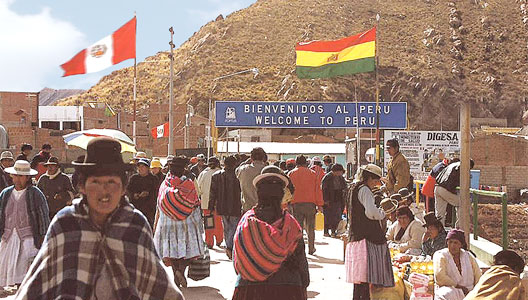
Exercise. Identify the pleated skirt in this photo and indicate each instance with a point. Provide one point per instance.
(180, 239)
(368, 262)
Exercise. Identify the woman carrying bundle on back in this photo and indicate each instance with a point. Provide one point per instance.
(268, 249)
(178, 225)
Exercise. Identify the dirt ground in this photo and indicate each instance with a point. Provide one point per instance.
(490, 225)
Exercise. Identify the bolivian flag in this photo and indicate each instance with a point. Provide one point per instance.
(320, 59)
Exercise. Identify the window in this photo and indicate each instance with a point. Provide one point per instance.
(201, 142)
(50, 125)
(71, 125)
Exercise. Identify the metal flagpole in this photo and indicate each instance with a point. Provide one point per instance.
(358, 133)
(135, 88)
(134, 122)
(170, 151)
(378, 162)
(209, 138)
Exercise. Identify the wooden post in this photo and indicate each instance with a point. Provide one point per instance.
(463, 214)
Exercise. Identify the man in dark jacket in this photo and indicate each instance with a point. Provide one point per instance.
(333, 186)
(56, 186)
(25, 151)
(327, 160)
(143, 190)
(6, 161)
(199, 166)
(224, 199)
(445, 190)
(38, 161)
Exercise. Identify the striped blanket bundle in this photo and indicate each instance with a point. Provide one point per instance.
(177, 197)
(260, 248)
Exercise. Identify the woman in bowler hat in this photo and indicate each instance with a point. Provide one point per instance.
(99, 247)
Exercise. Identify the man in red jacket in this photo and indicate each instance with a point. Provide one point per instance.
(307, 198)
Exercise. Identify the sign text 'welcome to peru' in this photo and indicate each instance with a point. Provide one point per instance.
(393, 115)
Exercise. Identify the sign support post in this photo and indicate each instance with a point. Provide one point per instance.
(378, 154)
(463, 215)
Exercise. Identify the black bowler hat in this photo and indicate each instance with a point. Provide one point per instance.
(180, 161)
(103, 152)
(431, 219)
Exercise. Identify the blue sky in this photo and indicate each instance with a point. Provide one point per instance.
(36, 37)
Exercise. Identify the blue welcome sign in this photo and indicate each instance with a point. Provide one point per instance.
(264, 114)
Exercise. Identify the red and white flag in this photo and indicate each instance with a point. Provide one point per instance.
(160, 131)
(113, 49)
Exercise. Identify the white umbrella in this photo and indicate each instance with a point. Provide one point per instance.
(81, 138)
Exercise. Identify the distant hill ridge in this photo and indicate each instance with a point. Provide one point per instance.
(432, 54)
(49, 96)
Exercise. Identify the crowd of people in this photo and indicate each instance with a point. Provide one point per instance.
(385, 220)
(108, 232)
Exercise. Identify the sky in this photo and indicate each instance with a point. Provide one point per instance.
(36, 37)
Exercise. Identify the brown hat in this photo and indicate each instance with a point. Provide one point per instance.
(179, 161)
(430, 219)
(404, 211)
(103, 152)
(405, 194)
(52, 161)
(396, 197)
(389, 205)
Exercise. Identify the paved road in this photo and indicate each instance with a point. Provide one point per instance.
(326, 275)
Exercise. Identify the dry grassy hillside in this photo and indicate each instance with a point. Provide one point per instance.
(432, 53)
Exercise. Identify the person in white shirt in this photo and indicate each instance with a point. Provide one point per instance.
(406, 233)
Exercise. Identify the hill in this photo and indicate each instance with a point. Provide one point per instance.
(432, 54)
(49, 96)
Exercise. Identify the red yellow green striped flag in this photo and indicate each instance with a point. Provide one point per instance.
(350, 55)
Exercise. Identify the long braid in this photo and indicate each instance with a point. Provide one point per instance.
(268, 208)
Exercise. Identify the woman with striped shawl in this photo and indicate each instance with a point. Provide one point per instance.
(178, 226)
(268, 254)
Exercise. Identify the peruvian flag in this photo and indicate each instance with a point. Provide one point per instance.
(113, 49)
(160, 131)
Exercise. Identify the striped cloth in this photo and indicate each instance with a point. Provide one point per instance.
(177, 197)
(260, 248)
(379, 265)
(75, 253)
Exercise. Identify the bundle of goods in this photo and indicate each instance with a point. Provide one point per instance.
(420, 283)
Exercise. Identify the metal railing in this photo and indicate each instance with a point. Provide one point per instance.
(504, 200)
(476, 193)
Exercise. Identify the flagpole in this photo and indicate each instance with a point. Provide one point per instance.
(171, 97)
(209, 138)
(134, 134)
(378, 154)
(358, 133)
(134, 122)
